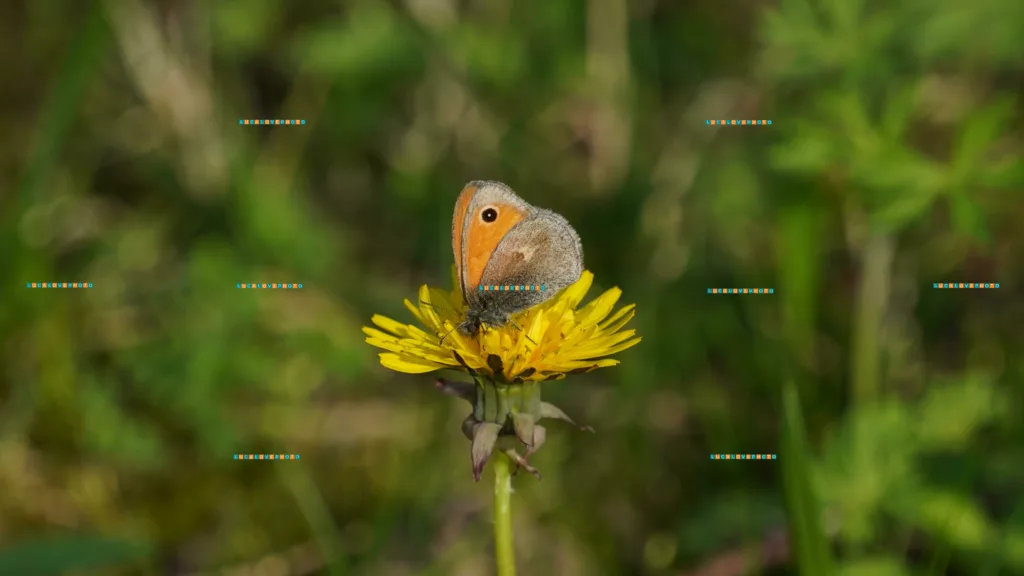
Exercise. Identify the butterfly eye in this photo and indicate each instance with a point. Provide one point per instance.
(489, 215)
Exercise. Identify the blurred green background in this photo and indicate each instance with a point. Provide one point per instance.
(894, 161)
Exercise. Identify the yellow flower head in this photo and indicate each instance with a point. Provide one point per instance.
(545, 342)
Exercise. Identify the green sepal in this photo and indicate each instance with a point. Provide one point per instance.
(523, 425)
(548, 410)
(485, 434)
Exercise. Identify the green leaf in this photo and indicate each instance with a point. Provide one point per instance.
(978, 31)
(951, 414)
(899, 109)
(870, 459)
(370, 41)
(846, 16)
(977, 137)
(1005, 173)
(969, 218)
(902, 209)
(809, 151)
(60, 554)
(849, 113)
(951, 517)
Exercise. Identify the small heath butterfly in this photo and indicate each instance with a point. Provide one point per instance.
(509, 255)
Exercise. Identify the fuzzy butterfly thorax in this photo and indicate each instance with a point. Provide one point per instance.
(477, 317)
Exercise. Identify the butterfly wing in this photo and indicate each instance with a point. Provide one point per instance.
(459, 232)
(542, 250)
(480, 235)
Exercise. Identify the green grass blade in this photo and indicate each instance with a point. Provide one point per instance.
(809, 542)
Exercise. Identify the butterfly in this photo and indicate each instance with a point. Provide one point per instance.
(502, 243)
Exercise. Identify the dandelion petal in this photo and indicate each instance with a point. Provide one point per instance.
(462, 361)
(620, 347)
(526, 373)
(574, 294)
(601, 346)
(598, 308)
(407, 364)
(415, 310)
(389, 344)
(397, 328)
(378, 335)
(621, 317)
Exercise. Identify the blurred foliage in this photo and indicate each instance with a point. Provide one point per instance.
(894, 161)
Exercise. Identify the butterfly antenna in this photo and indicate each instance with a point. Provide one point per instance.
(445, 337)
(425, 303)
(520, 328)
(449, 333)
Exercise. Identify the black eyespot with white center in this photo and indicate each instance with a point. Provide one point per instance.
(489, 215)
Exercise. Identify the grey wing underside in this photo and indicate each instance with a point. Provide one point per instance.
(543, 250)
(488, 193)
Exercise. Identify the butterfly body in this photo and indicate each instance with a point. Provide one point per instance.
(501, 240)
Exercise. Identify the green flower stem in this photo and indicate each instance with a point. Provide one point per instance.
(504, 552)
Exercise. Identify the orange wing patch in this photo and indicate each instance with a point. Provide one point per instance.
(461, 205)
(483, 239)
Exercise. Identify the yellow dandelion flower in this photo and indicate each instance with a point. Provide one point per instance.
(507, 363)
(543, 343)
